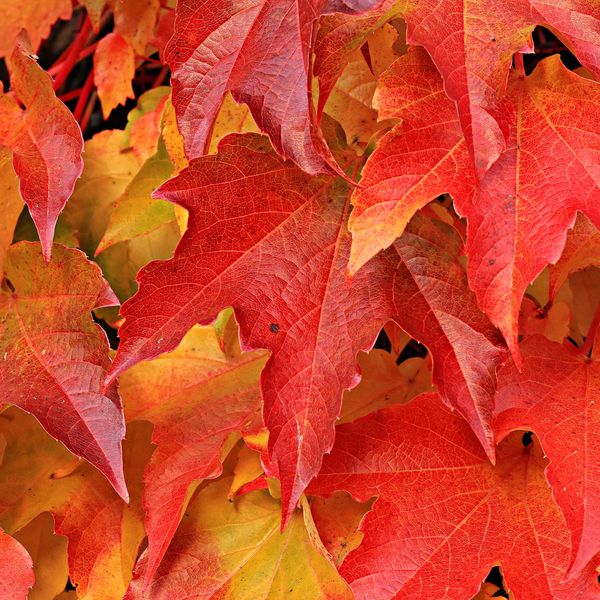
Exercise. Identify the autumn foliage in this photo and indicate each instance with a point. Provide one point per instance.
(300, 298)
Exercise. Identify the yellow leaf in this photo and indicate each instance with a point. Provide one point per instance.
(384, 383)
(234, 550)
(247, 469)
(10, 203)
(232, 118)
(49, 555)
(337, 519)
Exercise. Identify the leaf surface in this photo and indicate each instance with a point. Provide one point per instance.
(54, 358)
(555, 395)
(443, 508)
(45, 140)
(260, 51)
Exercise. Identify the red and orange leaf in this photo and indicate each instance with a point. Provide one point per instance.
(103, 532)
(444, 515)
(280, 260)
(114, 68)
(45, 140)
(472, 44)
(260, 51)
(555, 395)
(234, 550)
(338, 37)
(424, 156)
(16, 569)
(35, 17)
(526, 204)
(135, 20)
(54, 358)
(434, 305)
(197, 398)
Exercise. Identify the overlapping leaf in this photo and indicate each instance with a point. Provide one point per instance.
(526, 204)
(290, 293)
(260, 51)
(235, 549)
(472, 44)
(555, 395)
(443, 508)
(45, 140)
(197, 398)
(424, 156)
(16, 570)
(103, 532)
(280, 261)
(54, 358)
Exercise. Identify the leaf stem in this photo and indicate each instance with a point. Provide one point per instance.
(88, 110)
(591, 335)
(86, 90)
(71, 58)
(57, 66)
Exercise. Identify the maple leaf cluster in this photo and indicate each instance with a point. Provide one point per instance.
(300, 298)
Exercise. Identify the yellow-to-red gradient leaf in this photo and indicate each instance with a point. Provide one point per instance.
(53, 358)
(234, 549)
(104, 533)
(45, 140)
(197, 398)
(260, 51)
(16, 569)
(556, 395)
(35, 17)
(424, 156)
(472, 44)
(530, 197)
(114, 68)
(444, 515)
(49, 554)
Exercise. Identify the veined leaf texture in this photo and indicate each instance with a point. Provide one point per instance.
(300, 298)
